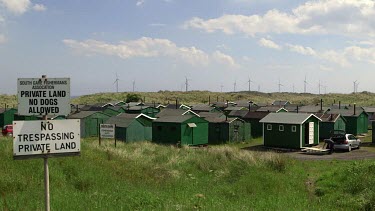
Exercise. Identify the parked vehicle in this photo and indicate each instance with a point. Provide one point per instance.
(345, 141)
(7, 130)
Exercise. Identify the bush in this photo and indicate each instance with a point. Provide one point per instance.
(133, 98)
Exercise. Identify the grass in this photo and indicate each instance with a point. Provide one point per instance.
(146, 176)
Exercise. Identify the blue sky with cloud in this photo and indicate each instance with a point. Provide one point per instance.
(159, 43)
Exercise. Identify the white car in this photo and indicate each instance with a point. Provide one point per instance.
(346, 142)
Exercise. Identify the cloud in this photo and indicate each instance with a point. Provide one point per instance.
(301, 50)
(140, 3)
(148, 47)
(269, 44)
(158, 24)
(2, 39)
(39, 7)
(344, 17)
(16, 6)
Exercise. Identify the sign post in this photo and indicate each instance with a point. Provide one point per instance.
(35, 139)
(107, 131)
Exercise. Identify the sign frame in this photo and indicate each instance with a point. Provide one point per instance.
(26, 127)
(43, 96)
(107, 131)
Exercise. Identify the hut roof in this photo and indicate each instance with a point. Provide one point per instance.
(81, 114)
(287, 118)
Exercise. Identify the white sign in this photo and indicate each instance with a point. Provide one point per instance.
(42, 137)
(43, 96)
(107, 131)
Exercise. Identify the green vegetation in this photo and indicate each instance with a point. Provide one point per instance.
(146, 176)
(132, 97)
(193, 97)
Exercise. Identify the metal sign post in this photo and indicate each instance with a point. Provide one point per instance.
(45, 138)
(46, 179)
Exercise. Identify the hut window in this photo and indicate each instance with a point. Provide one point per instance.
(281, 127)
(269, 127)
(159, 128)
(294, 128)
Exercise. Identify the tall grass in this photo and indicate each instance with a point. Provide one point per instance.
(146, 176)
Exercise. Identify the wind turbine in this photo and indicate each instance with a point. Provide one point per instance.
(249, 81)
(280, 85)
(186, 83)
(355, 86)
(221, 87)
(234, 85)
(319, 86)
(116, 82)
(305, 83)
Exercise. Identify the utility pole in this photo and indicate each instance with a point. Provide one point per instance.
(304, 82)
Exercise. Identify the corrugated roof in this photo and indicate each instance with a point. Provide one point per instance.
(269, 109)
(173, 119)
(128, 116)
(287, 118)
(211, 114)
(81, 114)
(280, 102)
(311, 109)
(369, 109)
(219, 120)
(92, 108)
(120, 121)
(175, 112)
(235, 108)
(347, 112)
(202, 108)
(239, 113)
(329, 117)
(255, 115)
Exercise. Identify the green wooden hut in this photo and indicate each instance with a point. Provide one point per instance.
(147, 110)
(183, 129)
(90, 121)
(330, 122)
(114, 110)
(356, 119)
(290, 130)
(132, 127)
(253, 118)
(7, 116)
(222, 131)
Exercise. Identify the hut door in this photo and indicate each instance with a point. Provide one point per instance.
(311, 132)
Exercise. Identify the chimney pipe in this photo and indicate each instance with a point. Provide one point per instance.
(249, 107)
(209, 100)
(176, 103)
(297, 109)
(354, 108)
(227, 103)
(339, 104)
(321, 104)
(217, 98)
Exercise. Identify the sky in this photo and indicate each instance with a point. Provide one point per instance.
(327, 46)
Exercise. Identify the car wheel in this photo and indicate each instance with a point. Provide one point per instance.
(359, 146)
(350, 148)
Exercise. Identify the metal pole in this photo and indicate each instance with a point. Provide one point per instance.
(46, 184)
(46, 172)
(115, 136)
